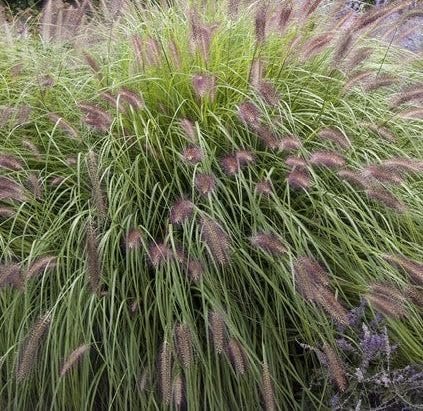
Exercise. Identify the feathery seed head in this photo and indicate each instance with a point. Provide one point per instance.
(183, 340)
(188, 129)
(336, 136)
(10, 275)
(336, 367)
(413, 268)
(193, 155)
(205, 183)
(217, 330)
(267, 389)
(230, 164)
(195, 270)
(290, 143)
(40, 265)
(216, 239)
(74, 357)
(249, 114)
(264, 187)
(159, 254)
(299, 179)
(327, 159)
(165, 372)
(204, 85)
(10, 162)
(237, 356)
(181, 211)
(386, 198)
(133, 239)
(269, 243)
(30, 347)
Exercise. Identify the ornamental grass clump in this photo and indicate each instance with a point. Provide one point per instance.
(191, 188)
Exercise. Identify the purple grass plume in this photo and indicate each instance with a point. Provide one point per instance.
(205, 183)
(387, 300)
(165, 372)
(299, 179)
(413, 268)
(264, 187)
(181, 211)
(230, 165)
(269, 243)
(204, 86)
(189, 130)
(178, 392)
(336, 367)
(41, 265)
(94, 269)
(10, 162)
(267, 389)
(159, 254)
(30, 347)
(184, 346)
(249, 114)
(290, 143)
(336, 136)
(327, 159)
(260, 21)
(217, 330)
(352, 177)
(133, 239)
(10, 275)
(95, 117)
(195, 270)
(193, 155)
(74, 358)
(295, 161)
(386, 198)
(216, 239)
(382, 173)
(237, 356)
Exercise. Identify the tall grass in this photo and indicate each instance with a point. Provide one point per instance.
(191, 194)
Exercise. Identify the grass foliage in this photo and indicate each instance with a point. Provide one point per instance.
(187, 196)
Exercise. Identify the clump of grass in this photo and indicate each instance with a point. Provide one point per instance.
(235, 181)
